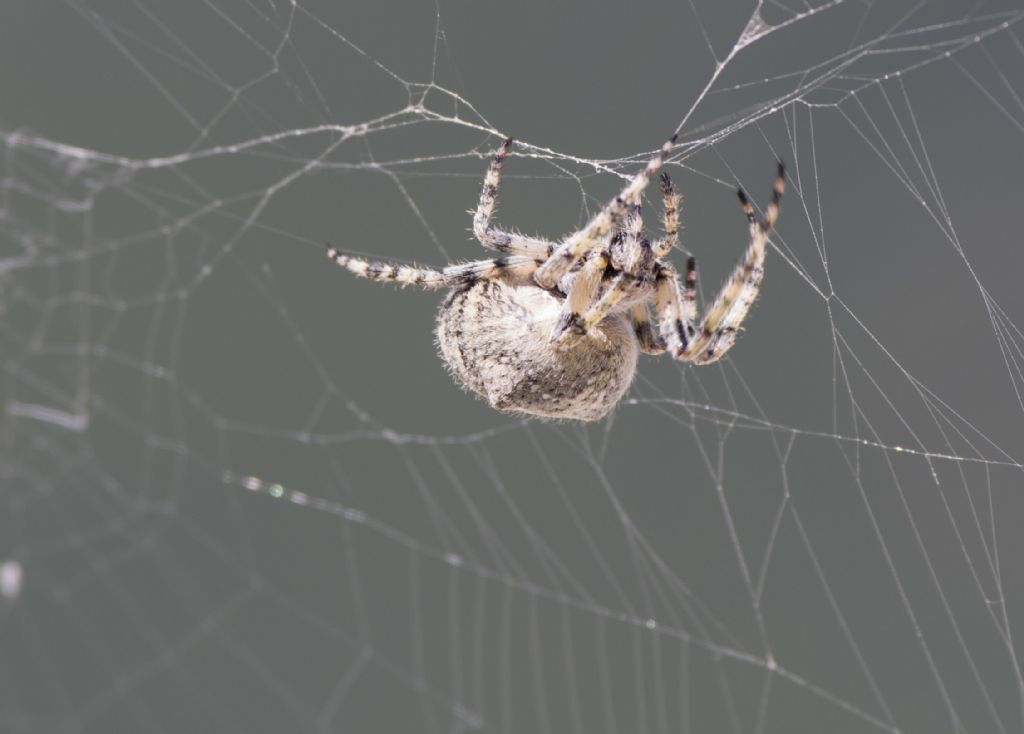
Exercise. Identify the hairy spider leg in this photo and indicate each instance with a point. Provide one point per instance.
(672, 200)
(516, 266)
(601, 224)
(616, 291)
(650, 342)
(581, 294)
(717, 331)
(675, 326)
(690, 293)
(496, 239)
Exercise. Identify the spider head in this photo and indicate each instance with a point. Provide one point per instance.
(631, 254)
(639, 257)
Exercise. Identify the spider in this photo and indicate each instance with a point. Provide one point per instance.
(553, 329)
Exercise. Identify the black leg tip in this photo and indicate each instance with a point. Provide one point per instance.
(666, 183)
(508, 142)
(691, 264)
(743, 197)
(782, 167)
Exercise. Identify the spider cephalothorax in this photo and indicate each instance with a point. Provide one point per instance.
(554, 328)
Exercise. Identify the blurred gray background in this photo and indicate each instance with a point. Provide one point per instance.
(247, 497)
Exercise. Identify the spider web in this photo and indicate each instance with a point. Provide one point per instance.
(241, 494)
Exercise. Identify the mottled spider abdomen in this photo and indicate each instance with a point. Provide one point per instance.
(496, 339)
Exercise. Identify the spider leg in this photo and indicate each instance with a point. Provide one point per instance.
(581, 295)
(496, 239)
(650, 343)
(615, 292)
(513, 266)
(717, 331)
(690, 291)
(674, 320)
(602, 223)
(672, 201)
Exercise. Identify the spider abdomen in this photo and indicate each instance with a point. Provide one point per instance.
(496, 339)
